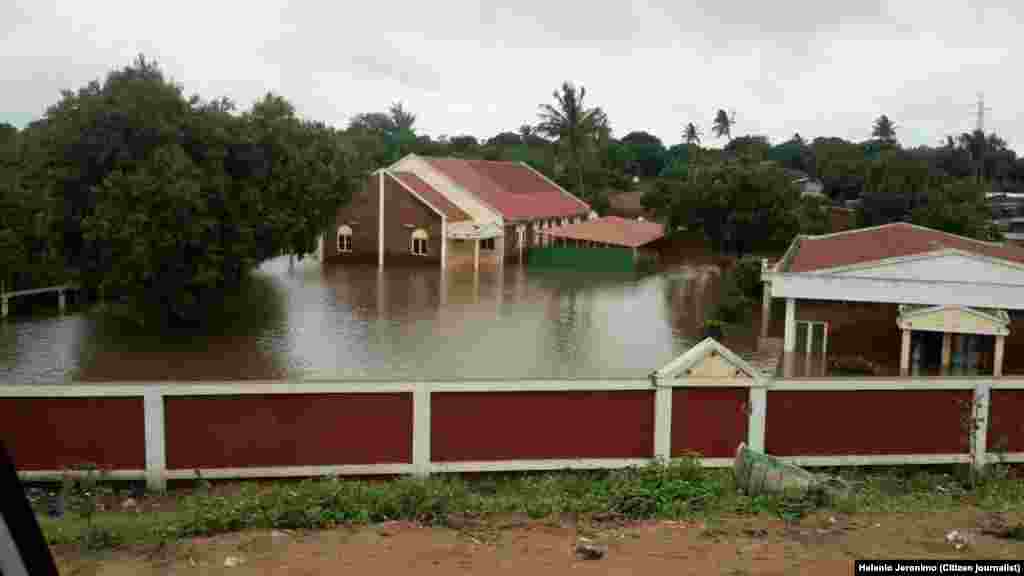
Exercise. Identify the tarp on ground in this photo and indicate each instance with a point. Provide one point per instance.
(591, 259)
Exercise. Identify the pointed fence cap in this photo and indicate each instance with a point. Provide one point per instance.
(709, 359)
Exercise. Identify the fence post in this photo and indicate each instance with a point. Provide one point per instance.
(156, 453)
(757, 415)
(421, 429)
(662, 419)
(980, 413)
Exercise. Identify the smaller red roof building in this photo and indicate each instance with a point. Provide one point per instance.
(611, 230)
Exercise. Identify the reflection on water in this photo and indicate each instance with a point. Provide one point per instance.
(359, 322)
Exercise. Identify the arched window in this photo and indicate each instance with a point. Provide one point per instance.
(344, 239)
(419, 242)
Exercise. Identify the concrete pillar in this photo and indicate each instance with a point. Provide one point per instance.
(997, 359)
(476, 255)
(947, 349)
(905, 354)
(61, 301)
(789, 345)
(5, 306)
(499, 244)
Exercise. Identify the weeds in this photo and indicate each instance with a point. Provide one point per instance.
(678, 489)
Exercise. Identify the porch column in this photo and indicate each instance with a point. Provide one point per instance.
(380, 220)
(476, 254)
(521, 239)
(905, 354)
(61, 301)
(789, 345)
(997, 359)
(947, 349)
(444, 243)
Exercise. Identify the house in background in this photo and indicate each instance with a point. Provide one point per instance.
(907, 298)
(449, 212)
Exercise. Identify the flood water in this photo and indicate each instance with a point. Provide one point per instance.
(362, 323)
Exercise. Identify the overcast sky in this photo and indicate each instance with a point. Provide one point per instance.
(817, 67)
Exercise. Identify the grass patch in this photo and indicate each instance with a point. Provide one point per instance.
(680, 489)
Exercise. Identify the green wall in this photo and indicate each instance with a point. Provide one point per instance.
(596, 259)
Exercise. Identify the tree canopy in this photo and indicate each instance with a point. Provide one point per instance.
(171, 201)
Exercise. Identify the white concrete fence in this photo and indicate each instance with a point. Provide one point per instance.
(155, 394)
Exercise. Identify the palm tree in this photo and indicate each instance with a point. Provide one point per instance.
(884, 129)
(723, 125)
(691, 134)
(574, 126)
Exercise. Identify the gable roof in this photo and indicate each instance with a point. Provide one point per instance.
(611, 230)
(432, 197)
(707, 347)
(898, 239)
(515, 190)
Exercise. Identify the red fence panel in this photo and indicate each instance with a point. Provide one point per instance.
(262, 430)
(1006, 421)
(710, 421)
(866, 422)
(56, 433)
(541, 425)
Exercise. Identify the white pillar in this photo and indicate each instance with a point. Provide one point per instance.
(156, 451)
(979, 446)
(905, 353)
(5, 311)
(444, 243)
(997, 357)
(789, 345)
(476, 254)
(421, 429)
(380, 220)
(320, 248)
(947, 349)
(662, 420)
(757, 416)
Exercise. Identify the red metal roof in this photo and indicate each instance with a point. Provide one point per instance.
(611, 230)
(511, 188)
(452, 212)
(887, 241)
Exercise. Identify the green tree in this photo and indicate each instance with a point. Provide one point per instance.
(884, 130)
(895, 184)
(958, 207)
(739, 206)
(723, 125)
(752, 147)
(691, 134)
(170, 202)
(647, 152)
(576, 128)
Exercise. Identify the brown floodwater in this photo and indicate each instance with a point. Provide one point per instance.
(417, 323)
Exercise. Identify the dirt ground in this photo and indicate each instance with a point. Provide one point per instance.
(821, 544)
